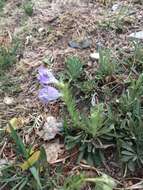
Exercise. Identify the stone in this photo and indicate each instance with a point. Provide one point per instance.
(40, 30)
(8, 100)
(137, 35)
(94, 56)
(115, 7)
(81, 44)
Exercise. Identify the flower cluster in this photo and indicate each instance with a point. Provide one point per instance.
(47, 93)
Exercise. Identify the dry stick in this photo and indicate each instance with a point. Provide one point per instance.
(89, 167)
(3, 148)
(64, 159)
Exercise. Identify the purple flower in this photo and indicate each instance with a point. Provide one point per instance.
(45, 76)
(48, 94)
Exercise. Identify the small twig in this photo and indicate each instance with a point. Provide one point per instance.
(64, 159)
(89, 167)
(3, 147)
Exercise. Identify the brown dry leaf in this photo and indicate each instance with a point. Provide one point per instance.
(50, 128)
(53, 150)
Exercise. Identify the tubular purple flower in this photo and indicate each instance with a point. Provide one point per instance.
(48, 94)
(45, 76)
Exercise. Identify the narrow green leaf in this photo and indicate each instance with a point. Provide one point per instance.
(19, 142)
(36, 176)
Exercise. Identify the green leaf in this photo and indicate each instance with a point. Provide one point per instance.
(19, 142)
(125, 152)
(36, 176)
(32, 160)
(21, 187)
(126, 158)
(70, 103)
(74, 67)
(127, 146)
(102, 186)
(131, 166)
(74, 182)
(103, 182)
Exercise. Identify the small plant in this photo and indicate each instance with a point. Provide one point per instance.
(135, 59)
(131, 99)
(106, 64)
(93, 139)
(71, 105)
(75, 76)
(28, 8)
(8, 84)
(74, 183)
(74, 68)
(138, 52)
(7, 57)
(77, 182)
(116, 22)
(129, 131)
(131, 144)
(132, 155)
(94, 127)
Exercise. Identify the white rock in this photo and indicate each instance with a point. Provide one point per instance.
(8, 100)
(94, 56)
(137, 35)
(28, 39)
(40, 30)
(115, 7)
